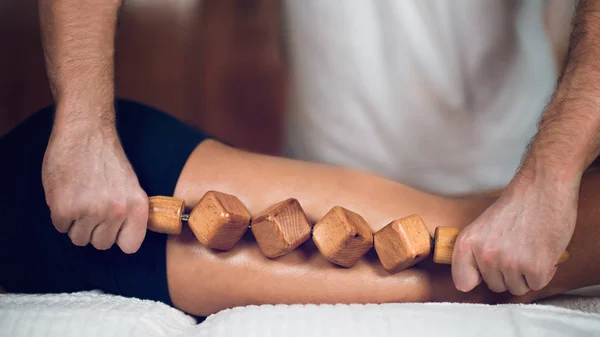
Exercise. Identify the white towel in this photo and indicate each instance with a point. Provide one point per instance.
(413, 320)
(93, 314)
(89, 314)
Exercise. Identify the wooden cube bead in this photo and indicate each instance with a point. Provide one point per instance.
(281, 228)
(402, 243)
(219, 220)
(164, 214)
(342, 236)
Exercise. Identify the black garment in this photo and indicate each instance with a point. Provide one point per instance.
(36, 258)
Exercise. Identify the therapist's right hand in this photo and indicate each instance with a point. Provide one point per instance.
(91, 189)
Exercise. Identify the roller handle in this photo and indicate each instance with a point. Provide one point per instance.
(444, 240)
(165, 214)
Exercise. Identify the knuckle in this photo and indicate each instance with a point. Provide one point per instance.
(531, 267)
(463, 244)
(508, 263)
(139, 208)
(534, 277)
(540, 277)
(530, 270)
(142, 197)
(60, 226)
(64, 210)
(141, 212)
(83, 207)
(141, 200)
(62, 217)
(489, 255)
(117, 209)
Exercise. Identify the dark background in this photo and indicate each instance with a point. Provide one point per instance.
(216, 64)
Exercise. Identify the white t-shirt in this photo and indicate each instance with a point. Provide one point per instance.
(443, 95)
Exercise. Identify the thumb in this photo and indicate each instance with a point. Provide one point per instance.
(465, 273)
(133, 230)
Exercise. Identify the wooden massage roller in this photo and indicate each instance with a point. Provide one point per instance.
(220, 220)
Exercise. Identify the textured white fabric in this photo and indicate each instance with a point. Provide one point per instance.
(443, 95)
(88, 314)
(94, 314)
(411, 320)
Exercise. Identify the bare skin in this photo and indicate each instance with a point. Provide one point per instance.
(202, 281)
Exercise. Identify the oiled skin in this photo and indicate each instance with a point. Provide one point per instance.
(202, 281)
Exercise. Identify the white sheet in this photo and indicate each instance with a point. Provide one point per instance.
(96, 315)
(414, 320)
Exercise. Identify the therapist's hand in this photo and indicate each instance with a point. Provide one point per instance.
(515, 244)
(91, 189)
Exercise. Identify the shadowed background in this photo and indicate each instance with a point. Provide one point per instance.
(214, 63)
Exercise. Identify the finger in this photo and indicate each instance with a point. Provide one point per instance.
(130, 237)
(61, 223)
(133, 231)
(105, 234)
(493, 278)
(464, 267)
(515, 282)
(539, 278)
(80, 232)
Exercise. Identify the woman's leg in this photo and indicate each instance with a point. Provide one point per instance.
(202, 281)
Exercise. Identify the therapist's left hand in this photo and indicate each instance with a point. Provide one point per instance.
(515, 244)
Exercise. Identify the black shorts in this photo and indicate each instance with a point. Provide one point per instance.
(36, 258)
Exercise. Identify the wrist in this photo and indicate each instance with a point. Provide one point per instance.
(89, 99)
(565, 145)
(544, 175)
(93, 118)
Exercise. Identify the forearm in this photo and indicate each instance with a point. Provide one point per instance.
(78, 43)
(568, 139)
